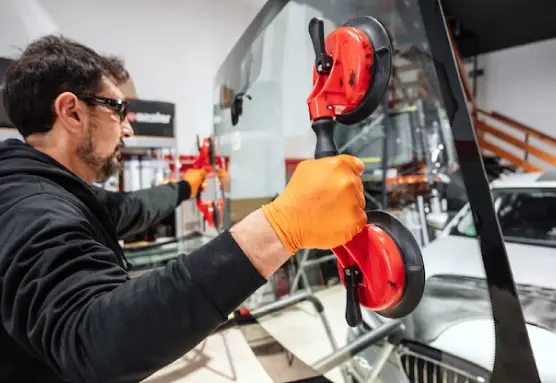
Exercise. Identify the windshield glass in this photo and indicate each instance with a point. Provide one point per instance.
(525, 215)
(422, 166)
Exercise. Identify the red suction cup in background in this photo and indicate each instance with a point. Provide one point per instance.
(382, 266)
(212, 211)
(207, 159)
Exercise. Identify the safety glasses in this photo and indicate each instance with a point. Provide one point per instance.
(121, 107)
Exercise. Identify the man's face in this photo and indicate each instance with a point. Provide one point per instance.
(100, 149)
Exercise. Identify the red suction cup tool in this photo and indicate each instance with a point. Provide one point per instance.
(207, 159)
(381, 267)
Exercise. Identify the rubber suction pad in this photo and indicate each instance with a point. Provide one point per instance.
(382, 68)
(389, 260)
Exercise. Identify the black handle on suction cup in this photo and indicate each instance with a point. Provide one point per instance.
(352, 278)
(324, 130)
(326, 147)
(323, 62)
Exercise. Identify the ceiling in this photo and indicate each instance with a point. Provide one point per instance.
(479, 26)
(482, 26)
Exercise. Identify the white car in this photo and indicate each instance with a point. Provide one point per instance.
(452, 330)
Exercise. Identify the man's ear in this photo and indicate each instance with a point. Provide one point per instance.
(70, 111)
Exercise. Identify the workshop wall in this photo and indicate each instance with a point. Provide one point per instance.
(171, 48)
(520, 82)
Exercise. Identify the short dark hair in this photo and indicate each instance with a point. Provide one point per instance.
(48, 67)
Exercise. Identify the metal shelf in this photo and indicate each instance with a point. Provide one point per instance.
(151, 142)
(132, 142)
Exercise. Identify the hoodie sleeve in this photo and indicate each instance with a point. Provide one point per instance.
(67, 302)
(134, 212)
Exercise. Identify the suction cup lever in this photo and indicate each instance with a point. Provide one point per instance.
(323, 61)
(353, 279)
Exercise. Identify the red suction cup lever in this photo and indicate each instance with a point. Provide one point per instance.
(207, 159)
(381, 267)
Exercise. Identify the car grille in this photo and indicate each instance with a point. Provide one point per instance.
(420, 368)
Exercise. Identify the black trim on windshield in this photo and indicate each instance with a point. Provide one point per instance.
(509, 323)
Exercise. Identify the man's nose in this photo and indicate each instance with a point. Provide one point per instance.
(127, 130)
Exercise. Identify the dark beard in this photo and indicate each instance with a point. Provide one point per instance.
(104, 167)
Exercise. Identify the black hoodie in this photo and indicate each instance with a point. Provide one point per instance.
(69, 310)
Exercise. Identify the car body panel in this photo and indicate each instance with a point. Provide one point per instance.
(457, 255)
(525, 180)
(473, 340)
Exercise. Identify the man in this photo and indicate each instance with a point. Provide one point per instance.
(69, 310)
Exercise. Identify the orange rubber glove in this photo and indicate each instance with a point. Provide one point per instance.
(195, 178)
(323, 205)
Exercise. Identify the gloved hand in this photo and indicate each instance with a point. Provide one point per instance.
(195, 178)
(322, 206)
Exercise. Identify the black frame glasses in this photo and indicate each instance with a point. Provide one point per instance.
(121, 107)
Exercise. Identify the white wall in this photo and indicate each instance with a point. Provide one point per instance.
(520, 83)
(172, 48)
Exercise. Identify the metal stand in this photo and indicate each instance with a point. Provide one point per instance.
(423, 219)
(229, 356)
(385, 155)
(301, 273)
(294, 300)
(392, 330)
(303, 264)
(284, 303)
(387, 349)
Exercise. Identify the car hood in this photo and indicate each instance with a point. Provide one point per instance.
(531, 265)
(456, 289)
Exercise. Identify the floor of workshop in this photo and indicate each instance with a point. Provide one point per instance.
(298, 329)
